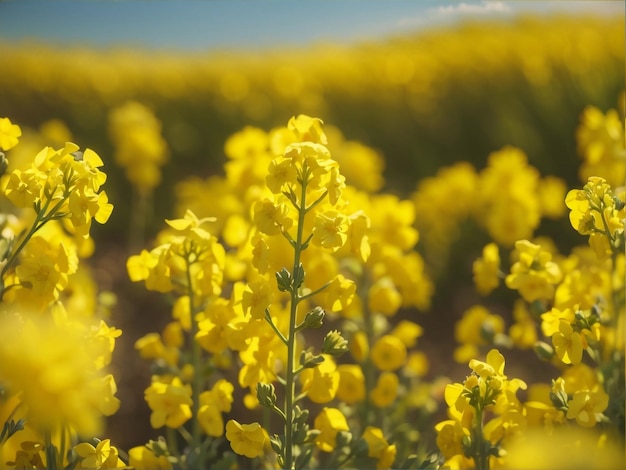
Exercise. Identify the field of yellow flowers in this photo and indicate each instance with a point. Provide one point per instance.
(406, 254)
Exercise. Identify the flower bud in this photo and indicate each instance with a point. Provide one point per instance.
(266, 394)
(544, 351)
(314, 318)
(4, 164)
(334, 344)
(308, 360)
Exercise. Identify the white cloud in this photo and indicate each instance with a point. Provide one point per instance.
(472, 8)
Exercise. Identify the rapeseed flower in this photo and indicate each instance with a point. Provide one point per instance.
(351, 387)
(51, 366)
(321, 383)
(586, 406)
(102, 456)
(170, 402)
(378, 448)
(9, 134)
(534, 275)
(487, 269)
(249, 440)
(386, 390)
(330, 421)
(388, 353)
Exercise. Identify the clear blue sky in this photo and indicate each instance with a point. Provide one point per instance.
(202, 24)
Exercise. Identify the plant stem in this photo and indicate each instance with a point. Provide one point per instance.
(196, 359)
(290, 386)
(481, 457)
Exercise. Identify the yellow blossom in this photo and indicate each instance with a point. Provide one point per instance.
(270, 218)
(383, 297)
(379, 448)
(587, 406)
(329, 422)
(249, 440)
(487, 269)
(351, 387)
(386, 390)
(330, 230)
(568, 343)
(256, 298)
(144, 457)
(9, 134)
(170, 403)
(103, 456)
(388, 353)
(321, 382)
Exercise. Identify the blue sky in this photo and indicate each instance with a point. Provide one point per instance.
(207, 24)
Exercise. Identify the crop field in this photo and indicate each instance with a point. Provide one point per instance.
(399, 254)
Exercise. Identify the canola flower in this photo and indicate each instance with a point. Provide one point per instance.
(55, 349)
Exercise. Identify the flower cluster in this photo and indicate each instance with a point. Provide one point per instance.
(55, 389)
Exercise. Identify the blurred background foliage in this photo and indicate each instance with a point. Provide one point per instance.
(422, 101)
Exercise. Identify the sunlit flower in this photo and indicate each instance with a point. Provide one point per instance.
(329, 422)
(9, 134)
(249, 440)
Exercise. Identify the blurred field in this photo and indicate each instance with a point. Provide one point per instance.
(423, 101)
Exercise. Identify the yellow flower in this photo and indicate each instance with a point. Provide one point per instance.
(213, 403)
(408, 332)
(321, 382)
(256, 298)
(339, 294)
(600, 141)
(139, 146)
(85, 206)
(105, 389)
(44, 268)
(487, 269)
(386, 390)
(563, 448)
(351, 388)
(281, 173)
(330, 230)
(51, 366)
(270, 218)
(587, 406)
(306, 128)
(359, 346)
(329, 422)
(379, 448)
(550, 321)
(249, 440)
(383, 297)
(449, 438)
(153, 267)
(144, 457)
(9, 134)
(150, 346)
(388, 353)
(103, 456)
(494, 366)
(568, 343)
(23, 188)
(534, 275)
(523, 332)
(170, 403)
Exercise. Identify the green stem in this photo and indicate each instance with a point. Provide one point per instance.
(368, 367)
(290, 386)
(196, 359)
(481, 456)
